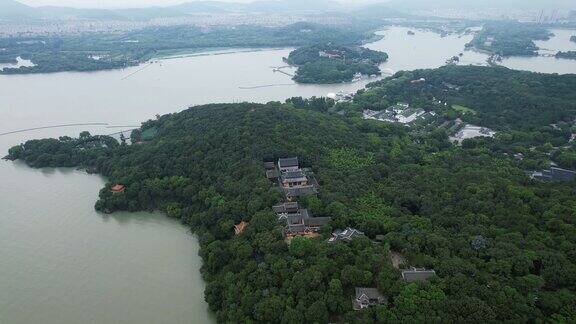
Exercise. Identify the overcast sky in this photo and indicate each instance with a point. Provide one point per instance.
(132, 3)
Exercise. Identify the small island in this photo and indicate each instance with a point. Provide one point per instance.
(573, 39)
(509, 38)
(570, 55)
(325, 64)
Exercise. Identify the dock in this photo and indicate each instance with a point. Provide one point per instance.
(279, 69)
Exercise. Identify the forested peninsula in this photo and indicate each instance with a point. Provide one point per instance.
(104, 51)
(334, 64)
(501, 244)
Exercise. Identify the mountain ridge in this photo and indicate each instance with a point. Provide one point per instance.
(12, 9)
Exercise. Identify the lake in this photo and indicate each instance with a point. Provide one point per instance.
(430, 50)
(545, 64)
(64, 263)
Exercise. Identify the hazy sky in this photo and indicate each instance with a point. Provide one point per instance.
(133, 3)
(108, 3)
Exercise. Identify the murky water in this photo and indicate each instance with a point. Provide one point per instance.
(547, 64)
(64, 263)
(430, 50)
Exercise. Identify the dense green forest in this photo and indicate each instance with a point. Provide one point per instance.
(571, 55)
(334, 64)
(502, 245)
(502, 98)
(534, 114)
(510, 38)
(77, 52)
(64, 151)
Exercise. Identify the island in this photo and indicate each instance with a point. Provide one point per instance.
(571, 55)
(573, 38)
(510, 38)
(335, 64)
(308, 212)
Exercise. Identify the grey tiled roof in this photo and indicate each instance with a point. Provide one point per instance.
(300, 191)
(302, 221)
(297, 229)
(366, 297)
(289, 207)
(269, 165)
(371, 293)
(347, 235)
(293, 175)
(555, 174)
(318, 221)
(559, 174)
(288, 162)
(295, 219)
(299, 217)
(272, 174)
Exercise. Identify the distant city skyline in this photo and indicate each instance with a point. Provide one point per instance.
(140, 3)
(406, 4)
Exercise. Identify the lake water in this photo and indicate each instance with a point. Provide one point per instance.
(545, 64)
(64, 263)
(423, 50)
(430, 50)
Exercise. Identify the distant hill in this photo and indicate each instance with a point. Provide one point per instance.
(207, 7)
(294, 5)
(378, 11)
(257, 6)
(14, 9)
(53, 12)
(478, 4)
(11, 9)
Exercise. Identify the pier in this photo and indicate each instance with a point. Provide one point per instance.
(279, 69)
(267, 86)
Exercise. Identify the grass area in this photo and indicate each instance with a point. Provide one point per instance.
(464, 109)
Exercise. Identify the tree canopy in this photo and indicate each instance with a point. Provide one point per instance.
(502, 244)
(509, 38)
(102, 51)
(334, 64)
